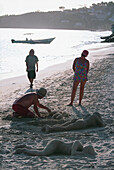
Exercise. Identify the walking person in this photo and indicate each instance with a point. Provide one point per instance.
(31, 66)
(80, 68)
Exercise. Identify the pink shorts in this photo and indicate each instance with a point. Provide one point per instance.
(22, 111)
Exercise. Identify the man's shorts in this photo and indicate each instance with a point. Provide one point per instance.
(22, 111)
(31, 74)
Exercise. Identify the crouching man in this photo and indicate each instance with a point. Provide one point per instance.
(21, 105)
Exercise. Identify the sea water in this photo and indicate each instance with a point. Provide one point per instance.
(67, 45)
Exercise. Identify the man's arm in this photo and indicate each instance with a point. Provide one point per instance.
(26, 66)
(43, 107)
(37, 66)
(26, 60)
(36, 111)
(35, 107)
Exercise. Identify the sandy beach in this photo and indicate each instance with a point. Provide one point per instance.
(58, 80)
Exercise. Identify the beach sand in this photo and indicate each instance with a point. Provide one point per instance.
(98, 96)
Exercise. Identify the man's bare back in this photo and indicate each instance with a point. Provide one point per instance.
(27, 100)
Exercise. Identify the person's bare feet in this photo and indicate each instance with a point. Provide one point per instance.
(70, 104)
(15, 114)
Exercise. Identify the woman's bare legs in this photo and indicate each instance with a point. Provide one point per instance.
(82, 85)
(74, 89)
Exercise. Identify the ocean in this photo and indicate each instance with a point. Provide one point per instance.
(67, 45)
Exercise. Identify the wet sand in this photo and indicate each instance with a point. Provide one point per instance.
(98, 96)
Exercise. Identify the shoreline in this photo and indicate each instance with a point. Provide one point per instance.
(22, 82)
(100, 30)
(63, 66)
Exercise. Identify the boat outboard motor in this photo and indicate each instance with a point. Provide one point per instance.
(12, 40)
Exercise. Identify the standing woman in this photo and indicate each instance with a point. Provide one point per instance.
(31, 62)
(80, 68)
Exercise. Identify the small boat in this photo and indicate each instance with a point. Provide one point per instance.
(41, 41)
(109, 38)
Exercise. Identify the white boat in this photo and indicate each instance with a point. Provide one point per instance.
(41, 41)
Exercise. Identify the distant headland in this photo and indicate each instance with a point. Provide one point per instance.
(98, 17)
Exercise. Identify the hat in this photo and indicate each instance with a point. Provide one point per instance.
(85, 53)
(41, 92)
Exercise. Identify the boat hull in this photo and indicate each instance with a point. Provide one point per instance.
(43, 41)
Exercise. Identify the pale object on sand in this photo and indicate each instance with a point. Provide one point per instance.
(30, 90)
